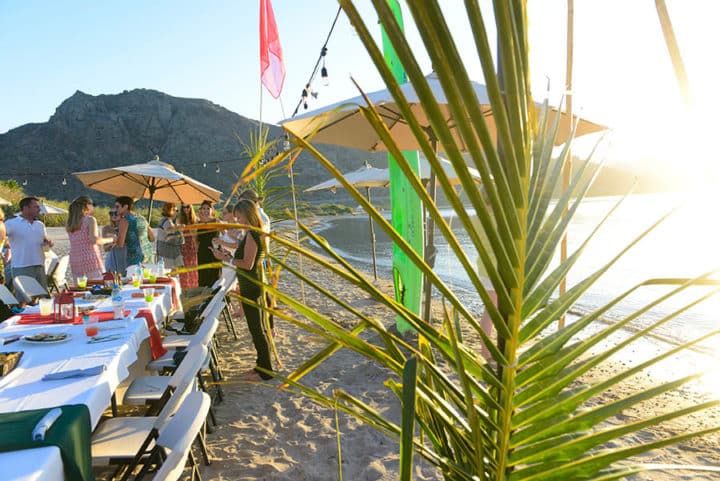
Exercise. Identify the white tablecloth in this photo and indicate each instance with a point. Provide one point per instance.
(23, 389)
(39, 464)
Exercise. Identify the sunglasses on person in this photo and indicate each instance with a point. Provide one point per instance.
(113, 213)
(186, 207)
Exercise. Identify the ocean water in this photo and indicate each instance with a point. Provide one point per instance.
(686, 244)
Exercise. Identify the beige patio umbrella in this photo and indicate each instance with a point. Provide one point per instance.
(153, 180)
(5, 202)
(343, 124)
(48, 209)
(368, 177)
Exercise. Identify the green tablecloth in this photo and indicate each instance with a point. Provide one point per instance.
(71, 433)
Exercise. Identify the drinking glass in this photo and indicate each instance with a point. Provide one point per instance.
(82, 281)
(91, 327)
(149, 294)
(46, 307)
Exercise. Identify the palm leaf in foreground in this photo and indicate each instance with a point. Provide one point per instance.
(531, 416)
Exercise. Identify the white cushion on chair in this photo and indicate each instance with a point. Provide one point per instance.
(146, 388)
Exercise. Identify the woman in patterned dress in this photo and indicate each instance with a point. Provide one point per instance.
(189, 248)
(134, 232)
(82, 229)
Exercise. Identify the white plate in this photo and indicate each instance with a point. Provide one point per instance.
(56, 341)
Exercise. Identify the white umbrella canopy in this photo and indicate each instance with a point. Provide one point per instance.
(49, 209)
(343, 124)
(152, 180)
(5, 202)
(369, 176)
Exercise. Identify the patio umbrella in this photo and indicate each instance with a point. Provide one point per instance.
(343, 124)
(369, 176)
(49, 209)
(4, 202)
(152, 180)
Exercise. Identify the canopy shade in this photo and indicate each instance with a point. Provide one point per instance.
(153, 180)
(343, 124)
(48, 209)
(4, 202)
(369, 176)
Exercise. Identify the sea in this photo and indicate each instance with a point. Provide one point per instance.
(685, 244)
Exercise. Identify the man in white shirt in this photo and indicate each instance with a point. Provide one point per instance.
(28, 237)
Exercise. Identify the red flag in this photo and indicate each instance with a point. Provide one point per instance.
(272, 68)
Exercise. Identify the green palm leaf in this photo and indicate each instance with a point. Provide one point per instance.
(526, 415)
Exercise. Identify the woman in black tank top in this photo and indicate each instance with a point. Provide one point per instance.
(248, 263)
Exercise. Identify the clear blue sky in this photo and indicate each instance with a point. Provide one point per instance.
(623, 75)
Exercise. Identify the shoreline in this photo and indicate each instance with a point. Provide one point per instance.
(265, 433)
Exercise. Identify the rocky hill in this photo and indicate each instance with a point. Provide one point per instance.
(198, 137)
(92, 132)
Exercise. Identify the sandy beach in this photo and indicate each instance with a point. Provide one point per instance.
(270, 434)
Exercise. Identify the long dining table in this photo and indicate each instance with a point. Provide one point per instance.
(118, 347)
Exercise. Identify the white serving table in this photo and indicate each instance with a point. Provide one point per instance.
(23, 388)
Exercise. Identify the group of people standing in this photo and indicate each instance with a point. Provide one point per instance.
(128, 240)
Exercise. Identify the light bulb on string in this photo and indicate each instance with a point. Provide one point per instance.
(64, 182)
(24, 182)
(217, 169)
(204, 164)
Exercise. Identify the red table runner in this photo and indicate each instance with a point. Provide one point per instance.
(156, 345)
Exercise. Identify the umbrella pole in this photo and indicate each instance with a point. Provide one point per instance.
(372, 236)
(429, 248)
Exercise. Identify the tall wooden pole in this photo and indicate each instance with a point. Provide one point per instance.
(567, 168)
(674, 50)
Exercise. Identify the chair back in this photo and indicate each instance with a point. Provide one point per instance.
(189, 367)
(51, 266)
(179, 433)
(60, 272)
(29, 288)
(205, 334)
(177, 397)
(229, 277)
(7, 297)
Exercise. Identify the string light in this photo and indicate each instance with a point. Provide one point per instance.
(25, 182)
(217, 169)
(204, 164)
(64, 182)
(323, 70)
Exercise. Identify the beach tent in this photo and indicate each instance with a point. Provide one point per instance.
(343, 123)
(152, 180)
(49, 209)
(368, 177)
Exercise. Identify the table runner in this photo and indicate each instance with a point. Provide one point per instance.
(71, 433)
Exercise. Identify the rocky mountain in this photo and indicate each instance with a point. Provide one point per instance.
(198, 137)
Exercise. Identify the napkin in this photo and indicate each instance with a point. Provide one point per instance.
(38, 434)
(90, 371)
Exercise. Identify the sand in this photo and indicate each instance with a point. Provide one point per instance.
(269, 434)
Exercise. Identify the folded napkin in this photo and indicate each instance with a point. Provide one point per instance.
(140, 294)
(90, 371)
(38, 434)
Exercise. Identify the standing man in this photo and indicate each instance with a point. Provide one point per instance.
(28, 237)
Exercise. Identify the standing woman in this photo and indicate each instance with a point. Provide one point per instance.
(206, 277)
(189, 248)
(169, 238)
(115, 257)
(248, 262)
(133, 232)
(82, 229)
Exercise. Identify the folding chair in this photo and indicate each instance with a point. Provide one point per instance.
(177, 438)
(28, 288)
(57, 278)
(6, 297)
(128, 441)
